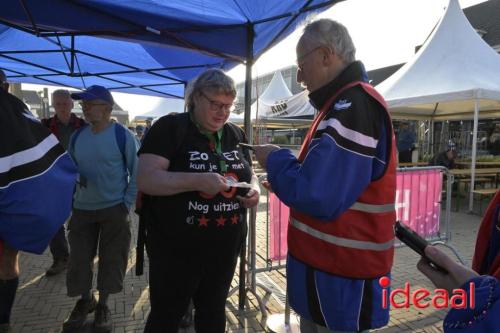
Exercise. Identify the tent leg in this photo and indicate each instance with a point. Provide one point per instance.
(248, 83)
(473, 157)
(431, 141)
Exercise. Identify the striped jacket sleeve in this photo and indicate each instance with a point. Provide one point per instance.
(349, 150)
(37, 179)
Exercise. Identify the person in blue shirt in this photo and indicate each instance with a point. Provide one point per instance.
(105, 193)
(405, 142)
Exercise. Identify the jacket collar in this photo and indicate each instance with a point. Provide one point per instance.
(355, 71)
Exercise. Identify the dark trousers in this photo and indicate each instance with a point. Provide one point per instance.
(405, 156)
(107, 231)
(59, 245)
(178, 274)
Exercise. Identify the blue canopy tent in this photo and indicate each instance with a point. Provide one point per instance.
(198, 33)
(217, 27)
(153, 46)
(80, 62)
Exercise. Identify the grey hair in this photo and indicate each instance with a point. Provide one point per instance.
(62, 93)
(3, 77)
(332, 34)
(213, 80)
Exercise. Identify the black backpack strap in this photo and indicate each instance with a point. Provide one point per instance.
(72, 140)
(141, 234)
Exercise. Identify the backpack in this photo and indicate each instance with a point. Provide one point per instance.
(181, 132)
(120, 135)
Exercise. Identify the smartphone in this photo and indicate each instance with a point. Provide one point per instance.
(246, 145)
(415, 242)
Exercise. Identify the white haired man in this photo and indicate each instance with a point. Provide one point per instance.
(62, 125)
(341, 189)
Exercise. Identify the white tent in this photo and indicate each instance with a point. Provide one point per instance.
(453, 76)
(452, 70)
(277, 105)
(276, 90)
(164, 107)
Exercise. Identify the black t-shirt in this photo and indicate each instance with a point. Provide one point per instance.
(176, 138)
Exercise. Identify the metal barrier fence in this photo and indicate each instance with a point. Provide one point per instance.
(419, 204)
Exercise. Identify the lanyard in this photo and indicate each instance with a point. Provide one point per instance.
(215, 140)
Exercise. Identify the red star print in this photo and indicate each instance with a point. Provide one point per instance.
(234, 219)
(203, 221)
(220, 221)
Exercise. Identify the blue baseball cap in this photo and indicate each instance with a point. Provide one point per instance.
(93, 93)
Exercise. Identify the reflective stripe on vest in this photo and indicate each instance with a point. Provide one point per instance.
(369, 208)
(345, 242)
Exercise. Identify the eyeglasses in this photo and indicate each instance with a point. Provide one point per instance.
(89, 105)
(300, 60)
(218, 106)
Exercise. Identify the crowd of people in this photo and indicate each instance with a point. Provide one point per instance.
(196, 182)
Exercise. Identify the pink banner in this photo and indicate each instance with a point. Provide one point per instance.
(418, 205)
(278, 222)
(418, 200)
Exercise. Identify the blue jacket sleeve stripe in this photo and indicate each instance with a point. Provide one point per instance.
(131, 166)
(318, 186)
(347, 133)
(329, 180)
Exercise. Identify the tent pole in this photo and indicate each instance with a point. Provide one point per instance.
(72, 67)
(248, 83)
(474, 153)
(431, 139)
(248, 130)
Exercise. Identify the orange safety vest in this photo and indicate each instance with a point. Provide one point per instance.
(358, 243)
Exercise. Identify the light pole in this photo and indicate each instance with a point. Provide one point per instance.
(46, 107)
(42, 107)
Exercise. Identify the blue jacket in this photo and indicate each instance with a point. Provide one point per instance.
(37, 178)
(338, 167)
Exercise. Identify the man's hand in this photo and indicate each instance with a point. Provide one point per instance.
(457, 273)
(250, 200)
(262, 151)
(267, 186)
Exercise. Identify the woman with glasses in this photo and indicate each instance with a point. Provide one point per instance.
(191, 170)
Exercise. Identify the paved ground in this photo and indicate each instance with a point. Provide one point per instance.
(41, 304)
